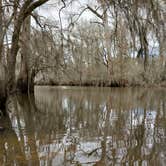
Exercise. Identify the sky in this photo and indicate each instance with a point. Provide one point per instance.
(51, 9)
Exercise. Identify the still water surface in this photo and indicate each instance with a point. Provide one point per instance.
(85, 126)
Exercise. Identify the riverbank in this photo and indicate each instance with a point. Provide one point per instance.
(122, 83)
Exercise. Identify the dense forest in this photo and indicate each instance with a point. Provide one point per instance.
(122, 45)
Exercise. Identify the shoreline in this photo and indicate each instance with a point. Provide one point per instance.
(160, 85)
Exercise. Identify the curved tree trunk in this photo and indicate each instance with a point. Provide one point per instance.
(24, 12)
(7, 76)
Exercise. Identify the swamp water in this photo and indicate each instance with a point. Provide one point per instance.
(85, 126)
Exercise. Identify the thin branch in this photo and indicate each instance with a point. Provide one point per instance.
(95, 12)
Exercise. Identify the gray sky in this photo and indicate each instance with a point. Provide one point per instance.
(51, 9)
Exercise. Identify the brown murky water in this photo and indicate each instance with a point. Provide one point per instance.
(85, 126)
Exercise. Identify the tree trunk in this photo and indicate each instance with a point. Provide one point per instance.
(1, 30)
(3, 95)
(24, 12)
(146, 53)
(2, 67)
(31, 84)
(144, 45)
(107, 37)
(22, 82)
(162, 49)
(12, 56)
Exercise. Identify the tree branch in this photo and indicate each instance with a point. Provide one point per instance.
(33, 6)
(95, 12)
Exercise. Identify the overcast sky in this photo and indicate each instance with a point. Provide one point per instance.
(51, 9)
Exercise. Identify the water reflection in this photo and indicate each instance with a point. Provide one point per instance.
(85, 126)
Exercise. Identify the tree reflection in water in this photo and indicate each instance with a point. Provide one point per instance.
(85, 126)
